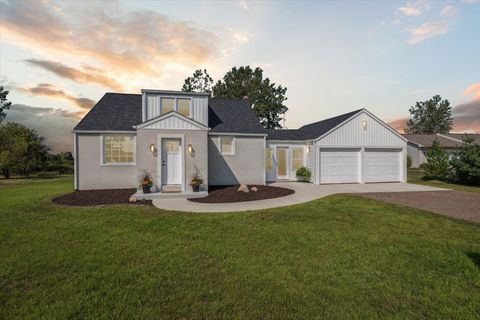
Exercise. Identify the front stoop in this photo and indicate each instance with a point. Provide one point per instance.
(139, 195)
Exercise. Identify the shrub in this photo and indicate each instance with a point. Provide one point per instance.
(437, 165)
(304, 174)
(466, 163)
(409, 162)
(47, 174)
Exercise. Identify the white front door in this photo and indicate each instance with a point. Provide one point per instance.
(171, 161)
(282, 163)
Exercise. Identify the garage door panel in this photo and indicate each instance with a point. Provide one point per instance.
(339, 165)
(381, 165)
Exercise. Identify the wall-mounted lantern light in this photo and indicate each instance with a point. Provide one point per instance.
(308, 149)
(153, 150)
(364, 124)
(191, 152)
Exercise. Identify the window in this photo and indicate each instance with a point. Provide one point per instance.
(227, 145)
(118, 149)
(297, 158)
(268, 159)
(168, 104)
(183, 107)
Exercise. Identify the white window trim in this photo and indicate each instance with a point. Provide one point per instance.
(175, 105)
(303, 155)
(117, 164)
(233, 146)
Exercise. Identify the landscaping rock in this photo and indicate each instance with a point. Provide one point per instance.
(132, 199)
(243, 188)
(254, 189)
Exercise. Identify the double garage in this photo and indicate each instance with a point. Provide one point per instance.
(360, 165)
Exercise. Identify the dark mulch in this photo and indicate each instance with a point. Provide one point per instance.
(228, 194)
(457, 204)
(98, 197)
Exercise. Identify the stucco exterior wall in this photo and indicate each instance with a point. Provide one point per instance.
(92, 175)
(198, 140)
(246, 166)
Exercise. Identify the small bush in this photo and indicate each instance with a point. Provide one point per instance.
(304, 174)
(61, 168)
(437, 165)
(409, 162)
(47, 174)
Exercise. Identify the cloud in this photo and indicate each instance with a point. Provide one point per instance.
(415, 8)
(426, 31)
(48, 90)
(473, 90)
(467, 117)
(241, 37)
(243, 4)
(449, 11)
(75, 74)
(54, 124)
(126, 42)
(398, 124)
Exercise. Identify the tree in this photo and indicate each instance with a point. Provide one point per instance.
(4, 103)
(430, 116)
(437, 165)
(267, 98)
(466, 163)
(22, 150)
(200, 81)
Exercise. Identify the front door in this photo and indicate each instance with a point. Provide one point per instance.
(171, 161)
(282, 163)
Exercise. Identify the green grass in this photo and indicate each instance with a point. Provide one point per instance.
(416, 175)
(340, 257)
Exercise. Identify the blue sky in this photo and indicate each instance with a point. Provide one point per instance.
(58, 58)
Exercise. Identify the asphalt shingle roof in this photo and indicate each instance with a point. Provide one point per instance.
(426, 140)
(461, 136)
(114, 112)
(233, 116)
(120, 112)
(312, 130)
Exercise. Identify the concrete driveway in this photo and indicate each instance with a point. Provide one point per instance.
(304, 192)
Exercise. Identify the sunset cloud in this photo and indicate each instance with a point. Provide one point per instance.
(90, 76)
(124, 41)
(415, 8)
(426, 31)
(473, 90)
(48, 90)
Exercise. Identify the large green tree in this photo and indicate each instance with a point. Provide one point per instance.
(4, 103)
(466, 163)
(22, 150)
(200, 81)
(266, 97)
(430, 116)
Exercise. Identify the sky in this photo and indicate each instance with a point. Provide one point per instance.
(58, 58)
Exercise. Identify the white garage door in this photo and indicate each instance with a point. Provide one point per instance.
(339, 165)
(382, 165)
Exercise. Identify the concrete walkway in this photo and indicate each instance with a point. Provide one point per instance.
(304, 192)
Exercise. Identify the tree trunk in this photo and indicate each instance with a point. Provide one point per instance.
(6, 173)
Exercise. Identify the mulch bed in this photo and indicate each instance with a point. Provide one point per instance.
(98, 197)
(229, 194)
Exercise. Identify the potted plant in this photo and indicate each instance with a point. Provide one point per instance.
(196, 180)
(145, 181)
(304, 174)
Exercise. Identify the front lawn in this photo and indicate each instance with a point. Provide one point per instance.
(415, 176)
(339, 257)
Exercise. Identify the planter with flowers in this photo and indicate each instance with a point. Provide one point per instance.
(196, 180)
(145, 181)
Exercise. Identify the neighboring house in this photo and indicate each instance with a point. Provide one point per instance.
(418, 144)
(171, 133)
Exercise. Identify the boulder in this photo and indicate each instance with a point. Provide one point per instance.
(254, 189)
(243, 188)
(132, 199)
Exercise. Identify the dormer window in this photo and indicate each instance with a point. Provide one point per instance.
(183, 106)
(168, 104)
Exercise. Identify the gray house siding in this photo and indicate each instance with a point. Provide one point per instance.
(246, 166)
(91, 174)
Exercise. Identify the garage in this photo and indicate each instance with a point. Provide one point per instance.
(382, 165)
(339, 165)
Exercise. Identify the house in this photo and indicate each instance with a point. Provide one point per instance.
(174, 133)
(418, 144)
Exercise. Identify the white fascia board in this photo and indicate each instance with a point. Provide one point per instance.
(173, 92)
(104, 131)
(450, 138)
(291, 141)
(171, 114)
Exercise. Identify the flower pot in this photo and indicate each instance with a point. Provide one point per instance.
(146, 189)
(196, 187)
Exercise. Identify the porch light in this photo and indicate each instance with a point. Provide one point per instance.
(191, 152)
(364, 124)
(308, 149)
(153, 150)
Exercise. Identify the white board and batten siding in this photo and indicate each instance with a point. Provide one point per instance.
(172, 122)
(198, 106)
